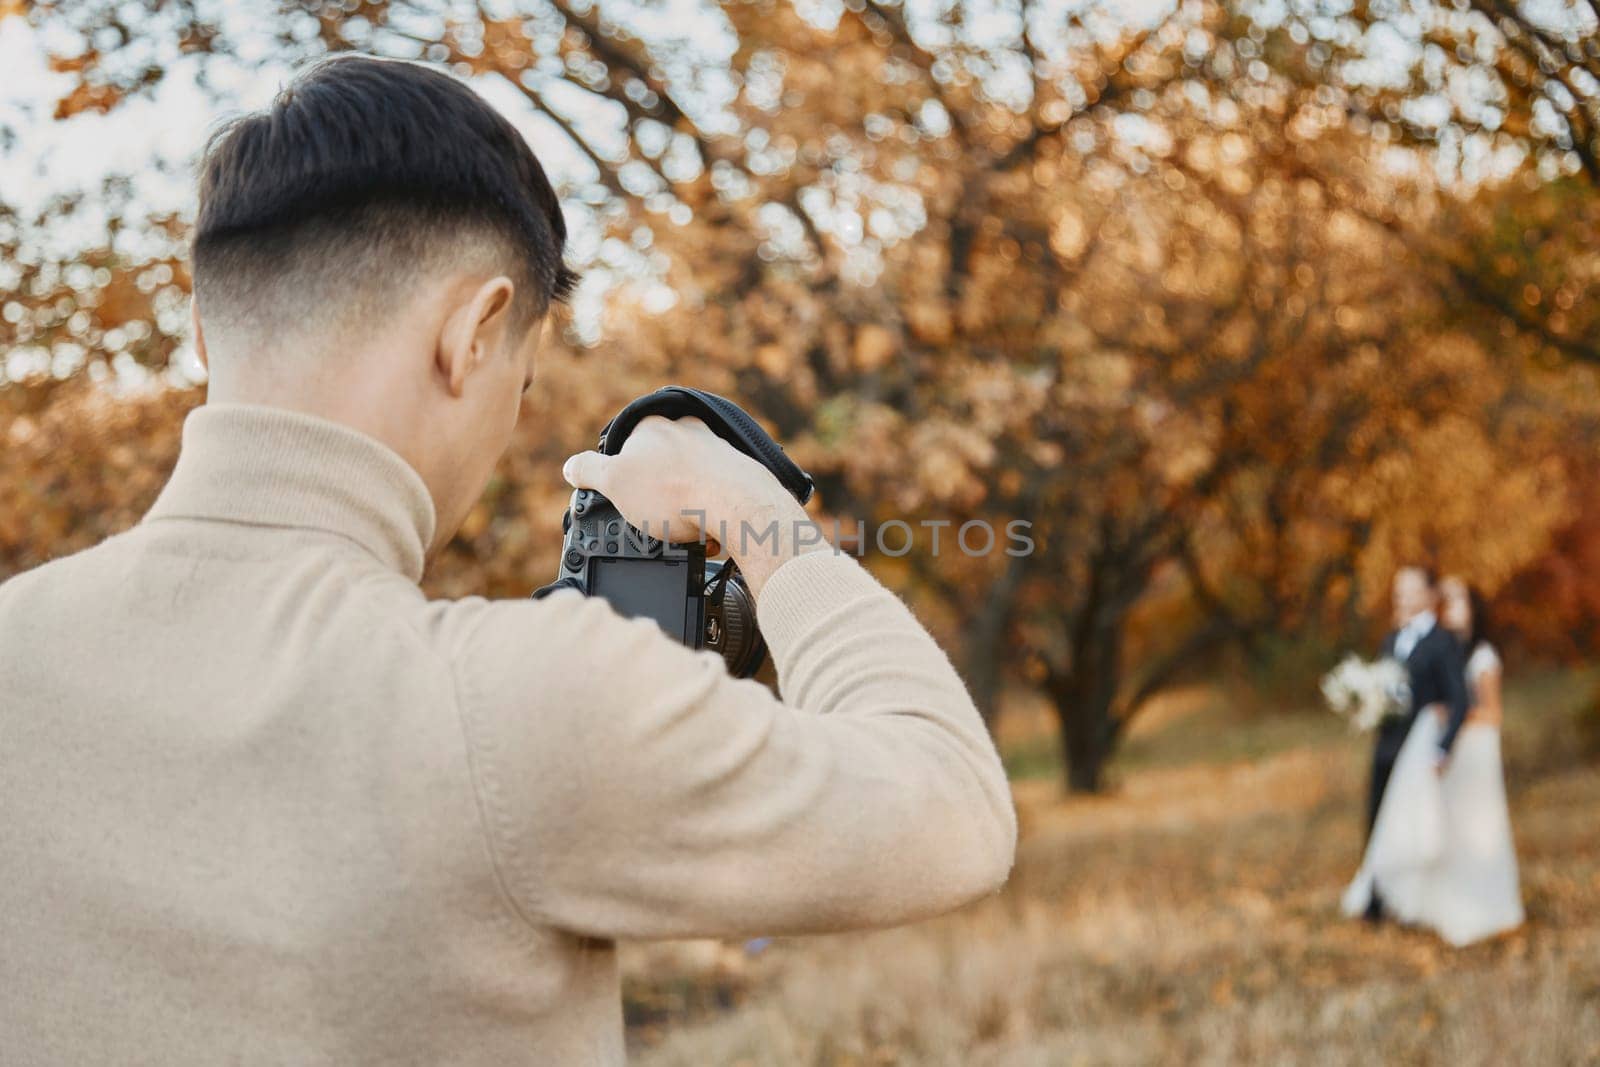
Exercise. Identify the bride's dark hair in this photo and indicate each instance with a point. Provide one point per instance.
(1479, 633)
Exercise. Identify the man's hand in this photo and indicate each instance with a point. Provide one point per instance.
(677, 474)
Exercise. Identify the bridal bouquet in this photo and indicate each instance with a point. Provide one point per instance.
(1367, 693)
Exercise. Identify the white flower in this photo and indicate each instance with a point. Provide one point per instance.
(1367, 693)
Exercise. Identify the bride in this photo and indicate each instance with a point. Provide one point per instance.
(1441, 852)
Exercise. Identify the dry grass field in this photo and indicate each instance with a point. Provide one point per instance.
(1187, 918)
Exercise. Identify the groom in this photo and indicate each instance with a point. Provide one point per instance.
(1433, 660)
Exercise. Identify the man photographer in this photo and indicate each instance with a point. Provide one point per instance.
(265, 803)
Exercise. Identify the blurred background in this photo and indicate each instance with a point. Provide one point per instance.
(1239, 304)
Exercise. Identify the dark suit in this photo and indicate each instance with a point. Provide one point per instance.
(1438, 676)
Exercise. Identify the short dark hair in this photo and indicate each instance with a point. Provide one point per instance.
(358, 171)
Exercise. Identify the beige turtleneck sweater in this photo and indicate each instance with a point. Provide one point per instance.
(261, 802)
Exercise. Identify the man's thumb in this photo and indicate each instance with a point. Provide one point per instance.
(586, 470)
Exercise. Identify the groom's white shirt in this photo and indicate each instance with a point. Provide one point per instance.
(1412, 632)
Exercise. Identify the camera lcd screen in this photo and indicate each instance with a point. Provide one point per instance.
(648, 588)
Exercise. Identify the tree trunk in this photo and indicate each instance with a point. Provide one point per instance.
(984, 654)
(984, 675)
(1083, 739)
(1084, 698)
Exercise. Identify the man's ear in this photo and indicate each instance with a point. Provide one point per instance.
(473, 331)
(199, 335)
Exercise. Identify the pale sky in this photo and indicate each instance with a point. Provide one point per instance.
(154, 140)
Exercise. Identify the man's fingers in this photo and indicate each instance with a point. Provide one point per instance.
(586, 470)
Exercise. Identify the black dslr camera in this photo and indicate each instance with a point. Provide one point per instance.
(702, 603)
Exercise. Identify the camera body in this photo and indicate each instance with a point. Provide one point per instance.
(699, 602)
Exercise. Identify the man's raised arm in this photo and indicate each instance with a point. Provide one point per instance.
(632, 788)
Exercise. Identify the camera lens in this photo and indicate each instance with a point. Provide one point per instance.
(731, 620)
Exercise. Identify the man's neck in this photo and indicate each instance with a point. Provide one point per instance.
(378, 405)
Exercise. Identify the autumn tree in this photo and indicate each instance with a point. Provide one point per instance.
(1176, 293)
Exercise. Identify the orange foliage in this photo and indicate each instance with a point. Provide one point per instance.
(1179, 304)
(78, 465)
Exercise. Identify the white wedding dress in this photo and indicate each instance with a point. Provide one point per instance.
(1441, 853)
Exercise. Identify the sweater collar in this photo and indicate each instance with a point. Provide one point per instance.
(263, 466)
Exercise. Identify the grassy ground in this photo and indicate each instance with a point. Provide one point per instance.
(1187, 918)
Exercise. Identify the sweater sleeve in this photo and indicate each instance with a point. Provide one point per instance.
(631, 788)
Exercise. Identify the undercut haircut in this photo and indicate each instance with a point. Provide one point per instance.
(362, 176)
